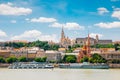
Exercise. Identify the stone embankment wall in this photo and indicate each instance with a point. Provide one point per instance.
(4, 65)
(114, 65)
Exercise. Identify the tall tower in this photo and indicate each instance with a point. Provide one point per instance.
(85, 51)
(62, 35)
(97, 38)
(88, 44)
(62, 39)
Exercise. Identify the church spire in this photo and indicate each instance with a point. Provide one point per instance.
(62, 33)
(97, 38)
(88, 44)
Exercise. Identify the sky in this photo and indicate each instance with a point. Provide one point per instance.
(43, 19)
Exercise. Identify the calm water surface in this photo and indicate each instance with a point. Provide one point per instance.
(59, 74)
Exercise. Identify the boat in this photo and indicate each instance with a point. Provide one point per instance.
(30, 65)
(84, 65)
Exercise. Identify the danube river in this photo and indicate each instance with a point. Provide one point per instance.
(60, 74)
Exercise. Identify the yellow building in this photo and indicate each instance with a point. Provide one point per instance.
(5, 53)
(40, 53)
(107, 49)
(111, 55)
(62, 50)
(18, 53)
(31, 54)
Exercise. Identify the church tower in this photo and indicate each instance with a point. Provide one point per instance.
(62, 39)
(62, 34)
(88, 44)
(97, 38)
(85, 51)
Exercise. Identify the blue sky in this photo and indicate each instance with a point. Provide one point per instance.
(43, 19)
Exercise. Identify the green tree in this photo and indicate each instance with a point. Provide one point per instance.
(52, 61)
(40, 59)
(22, 59)
(37, 59)
(69, 58)
(11, 59)
(2, 60)
(117, 47)
(15, 44)
(54, 47)
(44, 59)
(85, 59)
(96, 58)
(104, 46)
(76, 46)
(46, 47)
(91, 60)
(41, 44)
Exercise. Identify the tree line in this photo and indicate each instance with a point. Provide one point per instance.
(46, 46)
(21, 59)
(95, 58)
(71, 48)
(41, 44)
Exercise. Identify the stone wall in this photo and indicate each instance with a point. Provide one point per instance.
(114, 65)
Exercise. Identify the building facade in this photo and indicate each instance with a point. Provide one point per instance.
(93, 41)
(18, 53)
(64, 41)
(40, 53)
(53, 55)
(5, 53)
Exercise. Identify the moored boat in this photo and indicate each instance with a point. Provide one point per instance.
(84, 65)
(30, 65)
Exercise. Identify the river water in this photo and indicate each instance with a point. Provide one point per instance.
(60, 74)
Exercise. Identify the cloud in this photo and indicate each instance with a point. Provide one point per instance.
(54, 23)
(43, 20)
(93, 35)
(68, 25)
(9, 9)
(1, 40)
(52, 37)
(115, 24)
(33, 35)
(102, 10)
(2, 34)
(116, 13)
(13, 21)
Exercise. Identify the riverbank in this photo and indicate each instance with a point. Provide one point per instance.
(116, 66)
(4, 65)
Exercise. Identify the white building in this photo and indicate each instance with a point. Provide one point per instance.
(53, 55)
